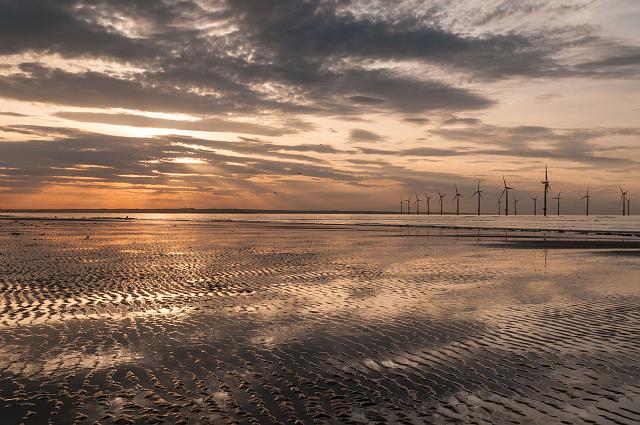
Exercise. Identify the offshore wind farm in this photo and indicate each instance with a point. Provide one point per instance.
(503, 199)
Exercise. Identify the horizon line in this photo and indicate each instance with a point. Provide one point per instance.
(247, 211)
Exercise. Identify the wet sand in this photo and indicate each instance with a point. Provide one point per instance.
(197, 323)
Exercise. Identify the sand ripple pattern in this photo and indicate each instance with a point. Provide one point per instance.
(189, 323)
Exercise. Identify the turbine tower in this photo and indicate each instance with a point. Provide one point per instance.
(401, 203)
(505, 191)
(535, 204)
(418, 200)
(628, 206)
(478, 193)
(547, 188)
(515, 205)
(428, 198)
(499, 205)
(587, 197)
(441, 197)
(408, 201)
(457, 197)
(623, 197)
(558, 199)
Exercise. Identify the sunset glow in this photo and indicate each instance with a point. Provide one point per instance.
(329, 105)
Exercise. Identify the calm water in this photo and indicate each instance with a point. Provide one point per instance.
(600, 223)
(196, 323)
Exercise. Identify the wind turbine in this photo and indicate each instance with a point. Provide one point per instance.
(623, 196)
(505, 191)
(441, 197)
(478, 193)
(428, 202)
(499, 205)
(418, 200)
(515, 205)
(535, 204)
(587, 197)
(558, 199)
(401, 203)
(547, 188)
(457, 197)
(408, 201)
(628, 206)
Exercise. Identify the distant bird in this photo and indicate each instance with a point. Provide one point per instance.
(558, 199)
(515, 205)
(457, 197)
(505, 191)
(428, 198)
(478, 193)
(535, 204)
(623, 197)
(418, 200)
(441, 198)
(587, 197)
(547, 188)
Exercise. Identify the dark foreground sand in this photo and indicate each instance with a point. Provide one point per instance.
(131, 322)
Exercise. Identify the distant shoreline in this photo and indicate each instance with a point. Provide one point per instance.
(190, 211)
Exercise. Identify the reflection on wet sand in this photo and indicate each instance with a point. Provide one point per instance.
(255, 323)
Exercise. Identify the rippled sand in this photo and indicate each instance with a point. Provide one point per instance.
(132, 322)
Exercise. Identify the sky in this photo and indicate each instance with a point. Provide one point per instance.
(337, 104)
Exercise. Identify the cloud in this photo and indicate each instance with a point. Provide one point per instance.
(416, 152)
(458, 120)
(39, 83)
(212, 73)
(251, 57)
(13, 114)
(475, 138)
(366, 100)
(111, 160)
(325, 29)
(204, 124)
(416, 120)
(406, 94)
(621, 62)
(360, 135)
(573, 144)
(54, 26)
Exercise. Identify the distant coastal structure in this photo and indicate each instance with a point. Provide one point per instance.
(624, 199)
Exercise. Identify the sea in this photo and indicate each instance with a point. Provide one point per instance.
(576, 223)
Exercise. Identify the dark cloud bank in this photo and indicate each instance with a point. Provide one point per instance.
(255, 56)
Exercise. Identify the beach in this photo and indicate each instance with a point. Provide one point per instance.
(150, 321)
